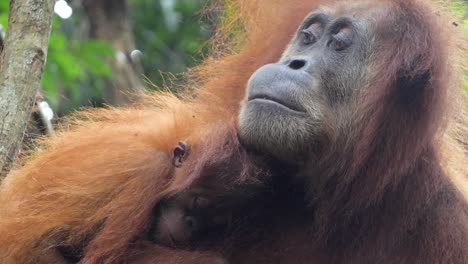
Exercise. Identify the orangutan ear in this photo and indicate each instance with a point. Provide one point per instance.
(180, 153)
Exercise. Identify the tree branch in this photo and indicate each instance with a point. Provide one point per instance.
(22, 64)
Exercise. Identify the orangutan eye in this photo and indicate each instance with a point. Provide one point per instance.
(341, 39)
(199, 202)
(311, 34)
(308, 37)
(338, 44)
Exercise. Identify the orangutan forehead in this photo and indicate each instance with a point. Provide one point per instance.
(365, 10)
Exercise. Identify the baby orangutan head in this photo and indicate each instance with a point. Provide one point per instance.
(219, 189)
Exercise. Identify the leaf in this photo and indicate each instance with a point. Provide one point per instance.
(94, 56)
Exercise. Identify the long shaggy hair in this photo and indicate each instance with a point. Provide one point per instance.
(104, 173)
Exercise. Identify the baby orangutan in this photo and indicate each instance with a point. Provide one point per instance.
(204, 209)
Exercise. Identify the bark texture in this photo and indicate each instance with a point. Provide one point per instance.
(22, 64)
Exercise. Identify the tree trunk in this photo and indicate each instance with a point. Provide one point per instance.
(109, 21)
(22, 64)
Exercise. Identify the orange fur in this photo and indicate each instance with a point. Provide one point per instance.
(108, 161)
(100, 165)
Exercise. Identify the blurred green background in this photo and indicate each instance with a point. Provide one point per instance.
(155, 39)
(99, 53)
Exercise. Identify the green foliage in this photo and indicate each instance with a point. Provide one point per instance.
(170, 33)
(461, 9)
(72, 65)
(4, 7)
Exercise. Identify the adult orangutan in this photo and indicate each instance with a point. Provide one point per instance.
(351, 116)
(357, 104)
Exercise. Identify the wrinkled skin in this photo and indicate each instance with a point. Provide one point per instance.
(292, 104)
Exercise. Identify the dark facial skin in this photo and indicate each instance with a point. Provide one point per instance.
(182, 218)
(325, 64)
